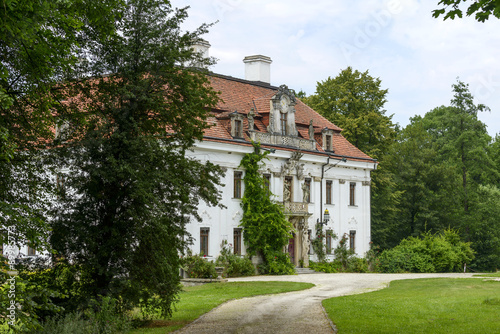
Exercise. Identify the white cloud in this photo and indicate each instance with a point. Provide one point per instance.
(417, 57)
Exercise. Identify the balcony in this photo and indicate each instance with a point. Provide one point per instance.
(278, 139)
(296, 208)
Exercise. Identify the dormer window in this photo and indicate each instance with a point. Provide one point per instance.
(327, 139)
(283, 121)
(236, 124)
(238, 128)
(328, 143)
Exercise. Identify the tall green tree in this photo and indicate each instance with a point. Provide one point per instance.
(462, 139)
(40, 45)
(130, 189)
(485, 229)
(423, 183)
(482, 9)
(355, 102)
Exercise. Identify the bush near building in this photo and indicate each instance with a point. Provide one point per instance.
(442, 252)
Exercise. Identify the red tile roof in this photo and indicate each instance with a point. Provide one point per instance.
(242, 96)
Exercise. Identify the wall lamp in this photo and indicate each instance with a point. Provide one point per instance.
(271, 150)
(326, 218)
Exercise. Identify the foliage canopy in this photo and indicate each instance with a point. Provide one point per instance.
(130, 190)
(265, 228)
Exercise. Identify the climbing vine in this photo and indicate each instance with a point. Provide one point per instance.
(318, 244)
(265, 228)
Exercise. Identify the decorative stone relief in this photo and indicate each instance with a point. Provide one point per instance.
(300, 171)
(352, 221)
(276, 174)
(305, 193)
(205, 217)
(291, 163)
(271, 126)
(250, 117)
(317, 178)
(366, 183)
(341, 181)
(237, 216)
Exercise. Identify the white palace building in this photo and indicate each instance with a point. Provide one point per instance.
(312, 169)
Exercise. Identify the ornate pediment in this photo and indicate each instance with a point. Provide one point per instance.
(282, 113)
(291, 163)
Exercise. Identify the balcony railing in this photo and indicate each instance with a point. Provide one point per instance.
(278, 139)
(296, 208)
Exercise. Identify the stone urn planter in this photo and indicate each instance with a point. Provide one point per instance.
(219, 271)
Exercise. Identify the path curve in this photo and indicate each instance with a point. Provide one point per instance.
(293, 312)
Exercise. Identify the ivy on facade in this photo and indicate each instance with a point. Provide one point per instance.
(266, 230)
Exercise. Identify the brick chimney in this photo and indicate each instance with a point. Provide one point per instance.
(258, 68)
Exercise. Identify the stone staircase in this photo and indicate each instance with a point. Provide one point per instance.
(301, 271)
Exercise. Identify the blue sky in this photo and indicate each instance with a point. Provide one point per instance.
(417, 57)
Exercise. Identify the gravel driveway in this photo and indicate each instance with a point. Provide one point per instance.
(293, 312)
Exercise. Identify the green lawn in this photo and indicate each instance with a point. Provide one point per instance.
(421, 306)
(197, 300)
(497, 274)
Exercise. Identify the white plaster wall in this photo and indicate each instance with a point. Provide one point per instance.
(344, 218)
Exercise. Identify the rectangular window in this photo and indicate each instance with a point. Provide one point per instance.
(328, 192)
(352, 193)
(60, 186)
(328, 144)
(267, 182)
(31, 251)
(238, 128)
(288, 189)
(237, 241)
(307, 190)
(204, 232)
(283, 123)
(329, 242)
(237, 184)
(352, 240)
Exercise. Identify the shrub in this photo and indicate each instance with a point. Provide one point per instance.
(198, 267)
(234, 265)
(69, 280)
(433, 253)
(357, 265)
(326, 267)
(71, 323)
(342, 254)
(106, 317)
(103, 317)
(277, 263)
(372, 258)
(36, 300)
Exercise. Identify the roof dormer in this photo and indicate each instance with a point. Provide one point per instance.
(236, 124)
(282, 113)
(327, 138)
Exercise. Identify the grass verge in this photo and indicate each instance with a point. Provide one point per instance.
(497, 274)
(198, 300)
(421, 306)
